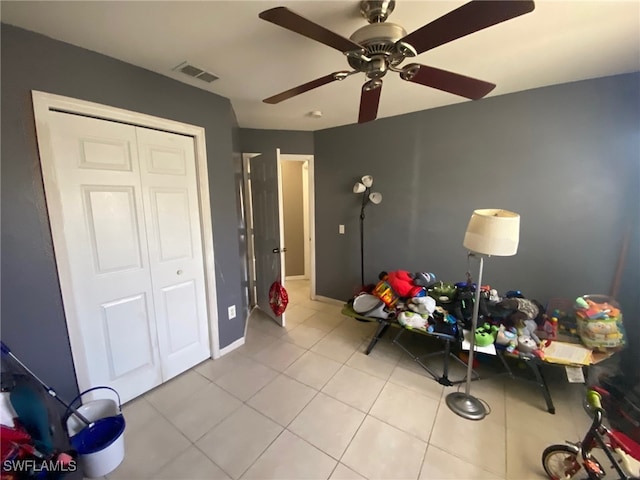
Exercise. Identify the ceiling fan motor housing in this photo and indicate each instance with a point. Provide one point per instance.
(379, 41)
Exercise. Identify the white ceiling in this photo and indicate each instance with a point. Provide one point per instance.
(559, 42)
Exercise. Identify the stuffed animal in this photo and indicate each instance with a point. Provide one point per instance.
(484, 336)
(506, 338)
(524, 309)
(413, 320)
(424, 279)
(526, 344)
(423, 305)
(493, 296)
(442, 292)
(527, 328)
(402, 284)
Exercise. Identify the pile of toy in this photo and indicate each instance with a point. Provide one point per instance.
(599, 322)
(419, 301)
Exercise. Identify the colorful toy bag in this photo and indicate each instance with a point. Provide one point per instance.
(599, 322)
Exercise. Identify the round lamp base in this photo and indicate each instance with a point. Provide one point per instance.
(466, 406)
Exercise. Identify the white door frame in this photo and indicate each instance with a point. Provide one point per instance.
(305, 220)
(311, 215)
(43, 104)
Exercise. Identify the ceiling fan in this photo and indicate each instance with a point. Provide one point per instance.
(382, 46)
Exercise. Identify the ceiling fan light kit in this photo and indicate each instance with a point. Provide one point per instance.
(382, 46)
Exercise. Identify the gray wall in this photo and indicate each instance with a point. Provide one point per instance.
(288, 141)
(33, 322)
(293, 202)
(566, 158)
(243, 307)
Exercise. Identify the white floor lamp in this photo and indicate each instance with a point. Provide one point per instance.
(490, 232)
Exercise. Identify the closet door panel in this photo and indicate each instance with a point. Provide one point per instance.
(172, 219)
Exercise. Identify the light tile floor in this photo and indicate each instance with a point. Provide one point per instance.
(305, 402)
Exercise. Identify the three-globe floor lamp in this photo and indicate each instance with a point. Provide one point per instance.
(364, 187)
(491, 232)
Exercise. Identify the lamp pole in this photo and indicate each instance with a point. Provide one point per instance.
(465, 404)
(365, 200)
(474, 325)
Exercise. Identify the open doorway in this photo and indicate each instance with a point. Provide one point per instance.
(295, 198)
(295, 183)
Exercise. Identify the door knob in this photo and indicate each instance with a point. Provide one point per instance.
(179, 272)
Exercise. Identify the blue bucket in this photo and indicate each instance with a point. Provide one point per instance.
(100, 445)
(98, 436)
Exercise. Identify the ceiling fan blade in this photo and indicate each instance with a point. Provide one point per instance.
(285, 18)
(369, 101)
(305, 87)
(447, 81)
(468, 18)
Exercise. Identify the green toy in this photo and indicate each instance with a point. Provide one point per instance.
(485, 335)
(442, 292)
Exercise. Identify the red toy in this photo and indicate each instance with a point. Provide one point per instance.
(402, 283)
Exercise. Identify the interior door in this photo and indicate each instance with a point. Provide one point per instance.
(111, 319)
(172, 219)
(268, 231)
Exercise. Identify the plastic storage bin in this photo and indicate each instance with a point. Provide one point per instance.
(599, 322)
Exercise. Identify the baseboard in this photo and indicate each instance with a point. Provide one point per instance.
(332, 301)
(231, 347)
(297, 277)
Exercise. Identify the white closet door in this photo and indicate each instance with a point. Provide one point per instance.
(107, 289)
(172, 218)
(130, 258)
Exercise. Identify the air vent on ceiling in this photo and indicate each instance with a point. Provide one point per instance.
(195, 72)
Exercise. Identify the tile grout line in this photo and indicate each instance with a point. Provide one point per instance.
(216, 424)
(359, 427)
(318, 392)
(181, 433)
(435, 418)
(283, 428)
(245, 403)
(262, 452)
(211, 460)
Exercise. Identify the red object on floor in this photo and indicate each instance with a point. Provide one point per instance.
(278, 298)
